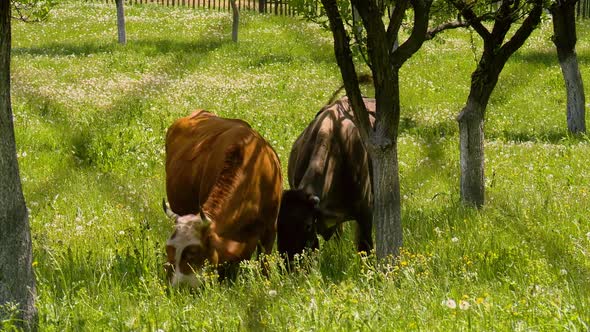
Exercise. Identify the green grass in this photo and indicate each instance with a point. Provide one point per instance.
(90, 122)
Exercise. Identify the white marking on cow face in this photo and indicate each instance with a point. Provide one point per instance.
(188, 234)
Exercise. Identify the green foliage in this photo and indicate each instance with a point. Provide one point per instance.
(32, 10)
(90, 121)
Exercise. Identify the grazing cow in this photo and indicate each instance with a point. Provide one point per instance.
(330, 180)
(224, 186)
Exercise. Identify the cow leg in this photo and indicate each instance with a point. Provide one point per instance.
(228, 271)
(264, 247)
(364, 232)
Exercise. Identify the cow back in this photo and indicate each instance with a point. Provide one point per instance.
(225, 167)
(329, 159)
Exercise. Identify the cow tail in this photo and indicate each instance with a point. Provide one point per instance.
(362, 79)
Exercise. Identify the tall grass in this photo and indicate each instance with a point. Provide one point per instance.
(91, 118)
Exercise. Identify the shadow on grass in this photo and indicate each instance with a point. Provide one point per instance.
(64, 49)
(545, 57)
(558, 256)
(551, 136)
(146, 46)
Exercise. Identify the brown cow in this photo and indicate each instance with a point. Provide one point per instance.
(224, 184)
(329, 176)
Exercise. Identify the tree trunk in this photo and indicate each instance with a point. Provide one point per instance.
(564, 38)
(121, 22)
(471, 134)
(17, 282)
(471, 138)
(386, 201)
(235, 22)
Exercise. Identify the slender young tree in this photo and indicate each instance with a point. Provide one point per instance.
(121, 22)
(17, 280)
(497, 49)
(385, 62)
(564, 37)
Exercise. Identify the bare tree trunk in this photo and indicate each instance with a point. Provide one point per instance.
(495, 54)
(235, 22)
(576, 113)
(564, 38)
(386, 202)
(471, 138)
(121, 22)
(17, 280)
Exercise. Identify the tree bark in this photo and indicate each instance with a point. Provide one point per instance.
(471, 130)
(235, 21)
(564, 38)
(471, 138)
(17, 280)
(483, 81)
(386, 202)
(121, 22)
(380, 140)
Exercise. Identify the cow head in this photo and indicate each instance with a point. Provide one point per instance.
(188, 248)
(297, 223)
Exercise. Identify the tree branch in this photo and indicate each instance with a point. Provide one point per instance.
(395, 21)
(523, 32)
(473, 20)
(347, 69)
(418, 35)
(445, 26)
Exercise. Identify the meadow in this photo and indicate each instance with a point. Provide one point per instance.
(91, 116)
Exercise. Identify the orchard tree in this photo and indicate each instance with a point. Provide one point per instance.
(17, 280)
(564, 37)
(385, 62)
(497, 49)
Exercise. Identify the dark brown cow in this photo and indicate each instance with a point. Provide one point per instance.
(329, 176)
(223, 182)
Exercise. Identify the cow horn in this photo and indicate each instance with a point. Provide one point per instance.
(169, 211)
(204, 218)
(315, 200)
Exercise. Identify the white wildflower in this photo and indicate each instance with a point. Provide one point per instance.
(450, 303)
(464, 305)
(437, 231)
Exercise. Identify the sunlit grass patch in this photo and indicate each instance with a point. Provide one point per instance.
(91, 116)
